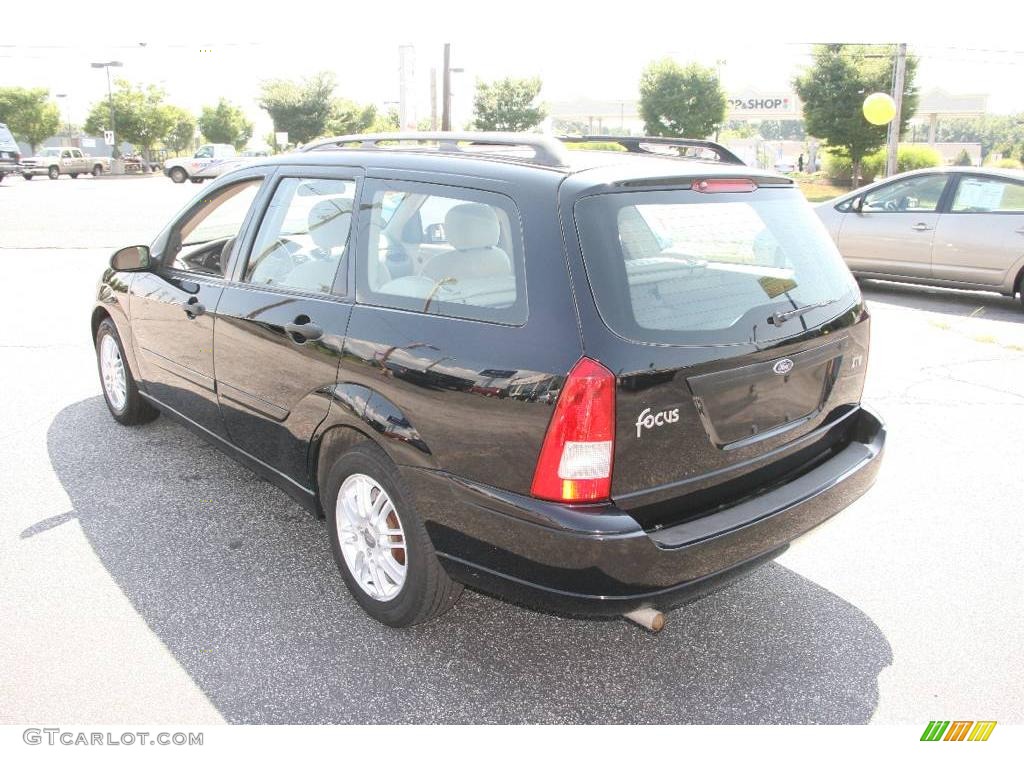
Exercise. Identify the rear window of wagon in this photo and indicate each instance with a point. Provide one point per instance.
(688, 268)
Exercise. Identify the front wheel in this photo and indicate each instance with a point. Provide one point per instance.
(73, 175)
(178, 175)
(27, 176)
(54, 172)
(379, 542)
(119, 388)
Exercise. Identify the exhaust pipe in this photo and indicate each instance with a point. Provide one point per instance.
(648, 618)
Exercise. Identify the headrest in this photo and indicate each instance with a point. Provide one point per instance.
(472, 225)
(329, 222)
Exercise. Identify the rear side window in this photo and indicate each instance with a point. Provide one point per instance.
(681, 267)
(975, 194)
(444, 251)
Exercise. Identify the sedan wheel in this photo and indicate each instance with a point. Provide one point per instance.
(371, 537)
(115, 384)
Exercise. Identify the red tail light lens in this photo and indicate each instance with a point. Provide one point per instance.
(723, 185)
(575, 463)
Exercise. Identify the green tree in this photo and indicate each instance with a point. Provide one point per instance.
(786, 130)
(303, 109)
(995, 133)
(225, 124)
(29, 114)
(680, 101)
(182, 129)
(833, 90)
(140, 115)
(507, 105)
(348, 118)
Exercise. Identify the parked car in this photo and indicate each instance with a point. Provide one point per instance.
(950, 227)
(63, 161)
(475, 358)
(199, 166)
(10, 155)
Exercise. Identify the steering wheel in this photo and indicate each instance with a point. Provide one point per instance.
(891, 205)
(278, 260)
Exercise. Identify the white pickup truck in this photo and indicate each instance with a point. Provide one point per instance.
(206, 163)
(57, 161)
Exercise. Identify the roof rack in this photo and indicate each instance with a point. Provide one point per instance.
(635, 144)
(546, 150)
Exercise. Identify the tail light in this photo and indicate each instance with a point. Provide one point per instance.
(575, 463)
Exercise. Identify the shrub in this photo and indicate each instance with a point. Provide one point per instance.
(909, 158)
(599, 146)
(1006, 162)
(964, 158)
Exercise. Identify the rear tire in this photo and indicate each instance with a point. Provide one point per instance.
(73, 175)
(425, 591)
(178, 175)
(54, 172)
(27, 176)
(196, 180)
(120, 391)
(97, 170)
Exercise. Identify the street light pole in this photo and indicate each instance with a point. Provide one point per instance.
(110, 100)
(67, 105)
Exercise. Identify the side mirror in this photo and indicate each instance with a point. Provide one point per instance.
(435, 234)
(857, 204)
(134, 258)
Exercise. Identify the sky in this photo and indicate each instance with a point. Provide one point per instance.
(206, 51)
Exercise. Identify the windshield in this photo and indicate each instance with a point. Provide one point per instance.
(682, 267)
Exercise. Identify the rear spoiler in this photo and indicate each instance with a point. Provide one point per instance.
(646, 144)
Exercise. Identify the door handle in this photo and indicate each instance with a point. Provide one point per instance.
(303, 330)
(193, 308)
(921, 227)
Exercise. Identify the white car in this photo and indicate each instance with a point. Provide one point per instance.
(206, 163)
(949, 227)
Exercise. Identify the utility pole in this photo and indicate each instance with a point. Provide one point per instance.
(446, 89)
(433, 98)
(897, 95)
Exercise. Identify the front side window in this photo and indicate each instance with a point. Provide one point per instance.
(443, 250)
(920, 194)
(206, 151)
(681, 267)
(304, 235)
(981, 195)
(202, 243)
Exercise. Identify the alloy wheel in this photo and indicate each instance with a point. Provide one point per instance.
(371, 537)
(115, 383)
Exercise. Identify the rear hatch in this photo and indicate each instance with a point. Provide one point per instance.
(739, 344)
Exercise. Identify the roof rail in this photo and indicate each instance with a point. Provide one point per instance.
(546, 150)
(634, 144)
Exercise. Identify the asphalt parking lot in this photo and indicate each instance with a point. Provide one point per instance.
(147, 578)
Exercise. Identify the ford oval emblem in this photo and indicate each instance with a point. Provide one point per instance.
(783, 366)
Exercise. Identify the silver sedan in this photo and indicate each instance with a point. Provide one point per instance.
(951, 227)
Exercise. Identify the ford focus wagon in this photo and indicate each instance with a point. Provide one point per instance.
(598, 383)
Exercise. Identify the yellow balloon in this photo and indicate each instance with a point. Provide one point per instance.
(879, 108)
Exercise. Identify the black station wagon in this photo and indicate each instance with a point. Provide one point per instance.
(595, 382)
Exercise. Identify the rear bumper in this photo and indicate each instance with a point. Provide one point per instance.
(597, 560)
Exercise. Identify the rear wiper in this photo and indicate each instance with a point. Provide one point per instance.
(778, 318)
